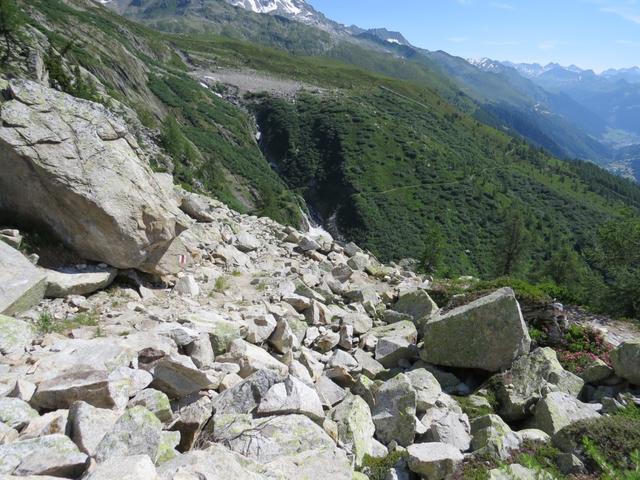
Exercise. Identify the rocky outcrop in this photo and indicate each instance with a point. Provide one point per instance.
(487, 334)
(86, 179)
(22, 286)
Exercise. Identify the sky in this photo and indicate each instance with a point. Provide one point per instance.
(596, 34)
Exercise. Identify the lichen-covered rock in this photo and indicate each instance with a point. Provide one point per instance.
(418, 305)
(626, 361)
(247, 395)
(394, 412)
(427, 388)
(446, 423)
(291, 396)
(155, 401)
(137, 432)
(134, 467)
(516, 471)
(531, 377)
(433, 461)
(493, 437)
(15, 335)
(54, 455)
(222, 332)
(73, 156)
(558, 410)
(16, 413)
(92, 386)
(355, 427)
(22, 285)
(251, 358)
(499, 336)
(87, 425)
(47, 424)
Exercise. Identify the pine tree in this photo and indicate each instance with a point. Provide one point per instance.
(513, 243)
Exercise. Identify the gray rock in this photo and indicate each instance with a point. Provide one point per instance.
(222, 332)
(91, 386)
(127, 224)
(390, 351)
(433, 461)
(329, 393)
(492, 437)
(78, 282)
(626, 361)
(283, 339)
(355, 427)
(531, 377)
(405, 330)
(446, 423)
(499, 337)
(361, 322)
(427, 388)
(7, 434)
(394, 412)
(196, 206)
(259, 327)
(87, 425)
(54, 455)
(516, 471)
(22, 285)
(201, 351)
(15, 335)
(190, 420)
(16, 413)
(245, 242)
(291, 397)
(596, 372)
(135, 467)
(418, 305)
(47, 424)
(558, 410)
(251, 358)
(187, 286)
(154, 401)
(246, 396)
(136, 432)
(177, 376)
(370, 367)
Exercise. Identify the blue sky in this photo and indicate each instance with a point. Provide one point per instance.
(595, 34)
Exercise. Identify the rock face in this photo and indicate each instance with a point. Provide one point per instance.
(499, 334)
(22, 286)
(626, 361)
(72, 156)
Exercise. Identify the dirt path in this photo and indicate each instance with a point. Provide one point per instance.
(615, 331)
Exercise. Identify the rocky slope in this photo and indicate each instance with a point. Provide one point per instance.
(273, 354)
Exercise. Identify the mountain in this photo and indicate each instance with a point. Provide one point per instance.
(297, 10)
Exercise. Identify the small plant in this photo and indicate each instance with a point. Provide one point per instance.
(220, 284)
(45, 323)
(378, 468)
(609, 471)
(236, 273)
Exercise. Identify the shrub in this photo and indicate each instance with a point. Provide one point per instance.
(610, 472)
(378, 468)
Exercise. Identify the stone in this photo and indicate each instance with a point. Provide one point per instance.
(155, 401)
(7, 434)
(54, 455)
(187, 286)
(327, 341)
(394, 412)
(196, 206)
(283, 339)
(558, 410)
(342, 272)
(405, 330)
(515, 471)
(329, 393)
(16, 413)
(136, 432)
(251, 358)
(370, 366)
(246, 396)
(47, 424)
(355, 427)
(499, 337)
(245, 242)
(67, 282)
(15, 335)
(427, 388)
(361, 322)
(259, 327)
(531, 377)
(22, 285)
(433, 461)
(189, 421)
(87, 425)
(626, 361)
(418, 305)
(494, 438)
(134, 467)
(91, 386)
(291, 397)
(201, 351)
(569, 464)
(446, 423)
(79, 192)
(221, 332)
(533, 435)
(390, 351)
(596, 372)
(177, 376)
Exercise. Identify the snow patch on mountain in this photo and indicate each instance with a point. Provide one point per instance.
(291, 7)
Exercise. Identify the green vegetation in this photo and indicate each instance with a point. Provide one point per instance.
(221, 284)
(474, 411)
(541, 458)
(609, 471)
(378, 468)
(11, 22)
(46, 323)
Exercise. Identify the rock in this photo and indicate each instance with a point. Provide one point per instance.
(418, 305)
(91, 386)
(390, 351)
(189, 421)
(214, 463)
(221, 332)
(16, 413)
(251, 358)
(201, 351)
(361, 322)
(136, 432)
(308, 244)
(355, 427)
(22, 285)
(359, 261)
(87, 425)
(531, 377)
(47, 424)
(135, 467)
(78, 282)
(283, 339)
(329, 393)
(54, 455)
(433, 461)
(187, 286)
(626, 361)
(342, 272)
(370, 367)
(177, 376)
(327, 341)
(558, 410)
(493, 437)
(289, 397)
(154, 401)
(533, 435)
(405, 330)
(196, 206)
(15, 335)
(246, 396)
(245, 242)
(427, 388)
(499, 337)
(127, 224)
(446, 423)
(597, 371)
(515, 471)
(7, 434)
(394, 412)
(259, 327)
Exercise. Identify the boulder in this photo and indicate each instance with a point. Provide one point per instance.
(187, 286)
(135, 467)
(245, 397)
(418, 305)
(499, 337)
(405, 330)
(390, 351)
(427, 388)
(596, 372)
(355, 427)
(154, 401)
(433, 461)
(251, 358)
(177, 376)
(222, 332)
(189, 421)
(515, 471)
(329, 393)
(22, 285)
(54, 455)
(394, 412)
(91, 386)
(196, 206)
(446, 423)
(16, 413)
(626, 361)
(558, 410)
(15, 335)
(494, 438)
(245, 242)
(47, 424)
(87, 425)
(291, 396)
(78, 282)
(136, 432)
(73, 157)
(531, 377)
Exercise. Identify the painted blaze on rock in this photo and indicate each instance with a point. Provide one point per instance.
(487, 334)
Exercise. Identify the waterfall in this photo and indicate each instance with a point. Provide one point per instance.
(312, 229)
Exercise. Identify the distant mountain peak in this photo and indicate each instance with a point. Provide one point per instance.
(388, 36)
(289, 7)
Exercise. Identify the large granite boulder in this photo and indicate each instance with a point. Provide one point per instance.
(86, 177)
(626, 361)
(22, 285)
(486, 334)
(394, 411)
(78, 282)
(355, 427)
(15, 335)
(558, 410)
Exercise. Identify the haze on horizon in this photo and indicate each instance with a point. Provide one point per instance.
(591, 34)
